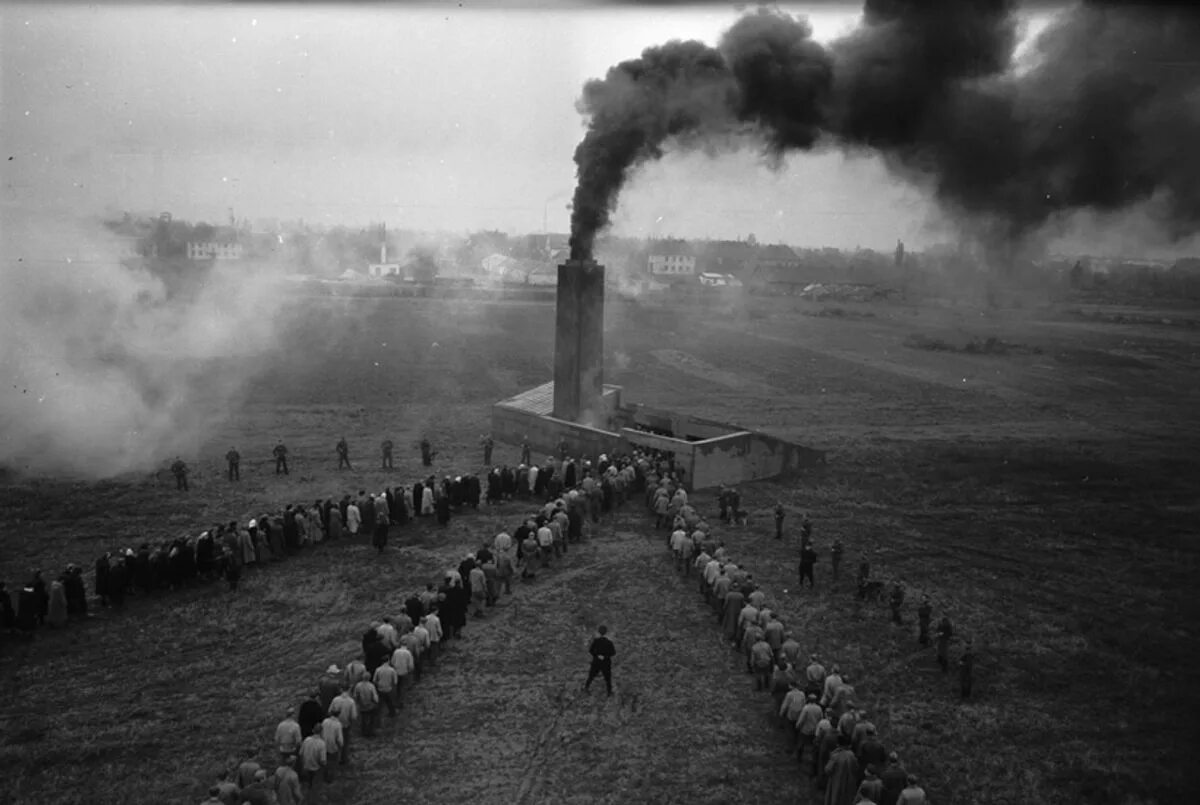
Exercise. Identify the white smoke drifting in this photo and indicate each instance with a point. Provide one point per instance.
(105, 372)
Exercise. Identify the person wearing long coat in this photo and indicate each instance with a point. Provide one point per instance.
(427, 500)
(842, 776)
(246, 540)
(335, 523)
(56, 613)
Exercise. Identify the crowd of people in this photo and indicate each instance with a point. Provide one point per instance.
(346, 704)
(833, 737)
(830, 730)
(229, 550)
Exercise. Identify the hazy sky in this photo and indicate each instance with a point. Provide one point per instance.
(428, 118)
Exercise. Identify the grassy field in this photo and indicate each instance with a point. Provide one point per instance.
(1043, 495)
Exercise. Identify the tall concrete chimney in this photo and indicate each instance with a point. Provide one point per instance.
(579, 343)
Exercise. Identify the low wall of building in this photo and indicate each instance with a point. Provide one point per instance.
(512, 426)
(748, 456)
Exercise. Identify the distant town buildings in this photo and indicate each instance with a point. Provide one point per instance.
(671, 259)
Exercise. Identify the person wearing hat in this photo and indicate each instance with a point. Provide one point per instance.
(894, 778)
(260, 791)
(288, 738)
(789, 709)
(807, 721)
(861, 728)
(870, 790)
(314, 757)
(312, 710)
(287, 786)
(924, 615)
(966, 670)
(871, 751)
(344, 708)
(247, 768)
(912, 794)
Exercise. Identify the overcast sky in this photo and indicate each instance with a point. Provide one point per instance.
(427, 118)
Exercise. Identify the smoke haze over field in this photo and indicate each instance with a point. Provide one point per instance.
(1103, 117)
(104, 371)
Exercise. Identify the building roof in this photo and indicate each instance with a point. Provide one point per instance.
(777, 252)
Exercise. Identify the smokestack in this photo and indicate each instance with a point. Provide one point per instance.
(1103, 117)
(579, 342)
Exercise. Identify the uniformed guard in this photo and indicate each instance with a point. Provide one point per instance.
(526, 452)
(488, 444)
(386, 449)
(427, 453)
(235, 459)
(180, 471)
(343, 451)
(280, 453)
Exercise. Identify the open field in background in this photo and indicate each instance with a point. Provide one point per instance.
(1045, 497)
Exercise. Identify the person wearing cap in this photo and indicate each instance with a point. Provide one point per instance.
(789, 709)
(355, 670)
(808, 720)
(387, 683)
(314, 757)
(894, 778)
(861, 727)
(260, 791)
(912, 794)
(288, 738)
(814, 675)
(870, 750)
(843, 699)
(214, 797)
(366, 697)
(846, 722)
(247, 768)
(731, 610)
(747, 616)
(832, 683)
(602, 651)
(228, 792)
(329, 686)
(405, 664)
(841, 774)
(924, 616)
(966, 670)
(870, 790)
(331, 732)
(761, 658)
(287, 786)
(346, 711)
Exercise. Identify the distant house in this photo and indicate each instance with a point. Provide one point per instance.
(671, 259)
(776, 268)
(223, 245)
(383, 268)
(726, 256)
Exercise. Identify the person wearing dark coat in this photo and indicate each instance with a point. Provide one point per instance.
(27, 611)
(103, 567)
(464, 569)
(311, 714)
(118, 580)
(291, 535)
(442, 506)
(569, 475)
(41, 597)
(76, 592)
(8, 615)
(375, 653)
(414, 608)
(366, 507)
(418, 491)
(508, 482)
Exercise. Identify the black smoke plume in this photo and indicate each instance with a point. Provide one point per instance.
(1104, 115)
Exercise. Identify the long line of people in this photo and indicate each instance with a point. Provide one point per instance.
(228, 550)
(831, 733)
(313, 741)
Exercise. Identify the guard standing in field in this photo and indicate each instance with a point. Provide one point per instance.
(808, 560)
(945, 631)
(235, 459)
(343, 451)
(602, 651)
(897, 601)
(488, 444)
(966, 670)
(427, 453)
(526, 452)
(386, 449)
(836, 556)
(779, 514)
(924, 614)
(180, 471)
(280, 453)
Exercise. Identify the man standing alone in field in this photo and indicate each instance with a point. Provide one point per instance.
(602, 651)
(779, 515)
(280, 453)
(180, 471)
(235, 459)
(427, 453)
(526, 452)
(488, 444)
(386, 449)
(343, 451)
